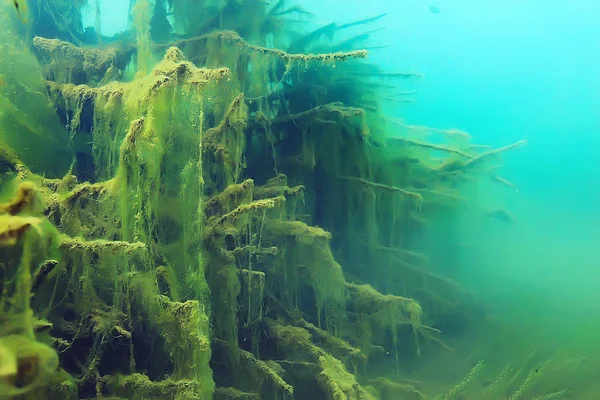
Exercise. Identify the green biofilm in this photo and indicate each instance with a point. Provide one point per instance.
(211, 175)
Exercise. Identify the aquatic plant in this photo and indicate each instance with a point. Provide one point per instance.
(238, 219)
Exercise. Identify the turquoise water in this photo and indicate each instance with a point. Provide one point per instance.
(505, 71)
(501, 71)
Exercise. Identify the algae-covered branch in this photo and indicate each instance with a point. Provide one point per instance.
(220, 213)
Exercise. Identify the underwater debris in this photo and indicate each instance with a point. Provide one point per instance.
(502, 181)
(434, 9)
(501, 215)
(46, 268)
(22, 10)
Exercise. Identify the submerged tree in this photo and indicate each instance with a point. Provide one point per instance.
(225, 166)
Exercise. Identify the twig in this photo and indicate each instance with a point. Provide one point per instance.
(382, 186)
(233, 37)
(432, 146)
(476, 160)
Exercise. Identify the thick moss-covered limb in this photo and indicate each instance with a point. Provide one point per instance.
(392, 309)
(390, 312)
(254, 375)
(85, 65)
(380, 186)
(331, 343)
(175, 66)
(286, 192)
(308, 249)
(177, 334)
(116, 101)
(97, 246)
(278, 186)
(95, 274)
(89, 192)
(185, 329)
(229, 119)
(89, 210)
(337, 382)
(223, 147)
(387, 312)
(332, 378)
(233, 37)
(299, 231)
(256, 205)
(10, 162)
(230, 198)
(334, 345)
(262, 369)
(77, 94)
(138, 386)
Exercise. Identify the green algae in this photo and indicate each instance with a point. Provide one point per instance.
(242, 227)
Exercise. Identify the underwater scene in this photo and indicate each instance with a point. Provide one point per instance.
(299, 200)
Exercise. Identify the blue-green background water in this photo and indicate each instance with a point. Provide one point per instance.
(504, 71)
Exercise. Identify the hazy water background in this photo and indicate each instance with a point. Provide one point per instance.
(505, 70)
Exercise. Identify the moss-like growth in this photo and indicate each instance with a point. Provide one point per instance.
(230, 180)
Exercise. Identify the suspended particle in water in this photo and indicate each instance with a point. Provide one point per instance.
(21, 7)
(434, 9)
